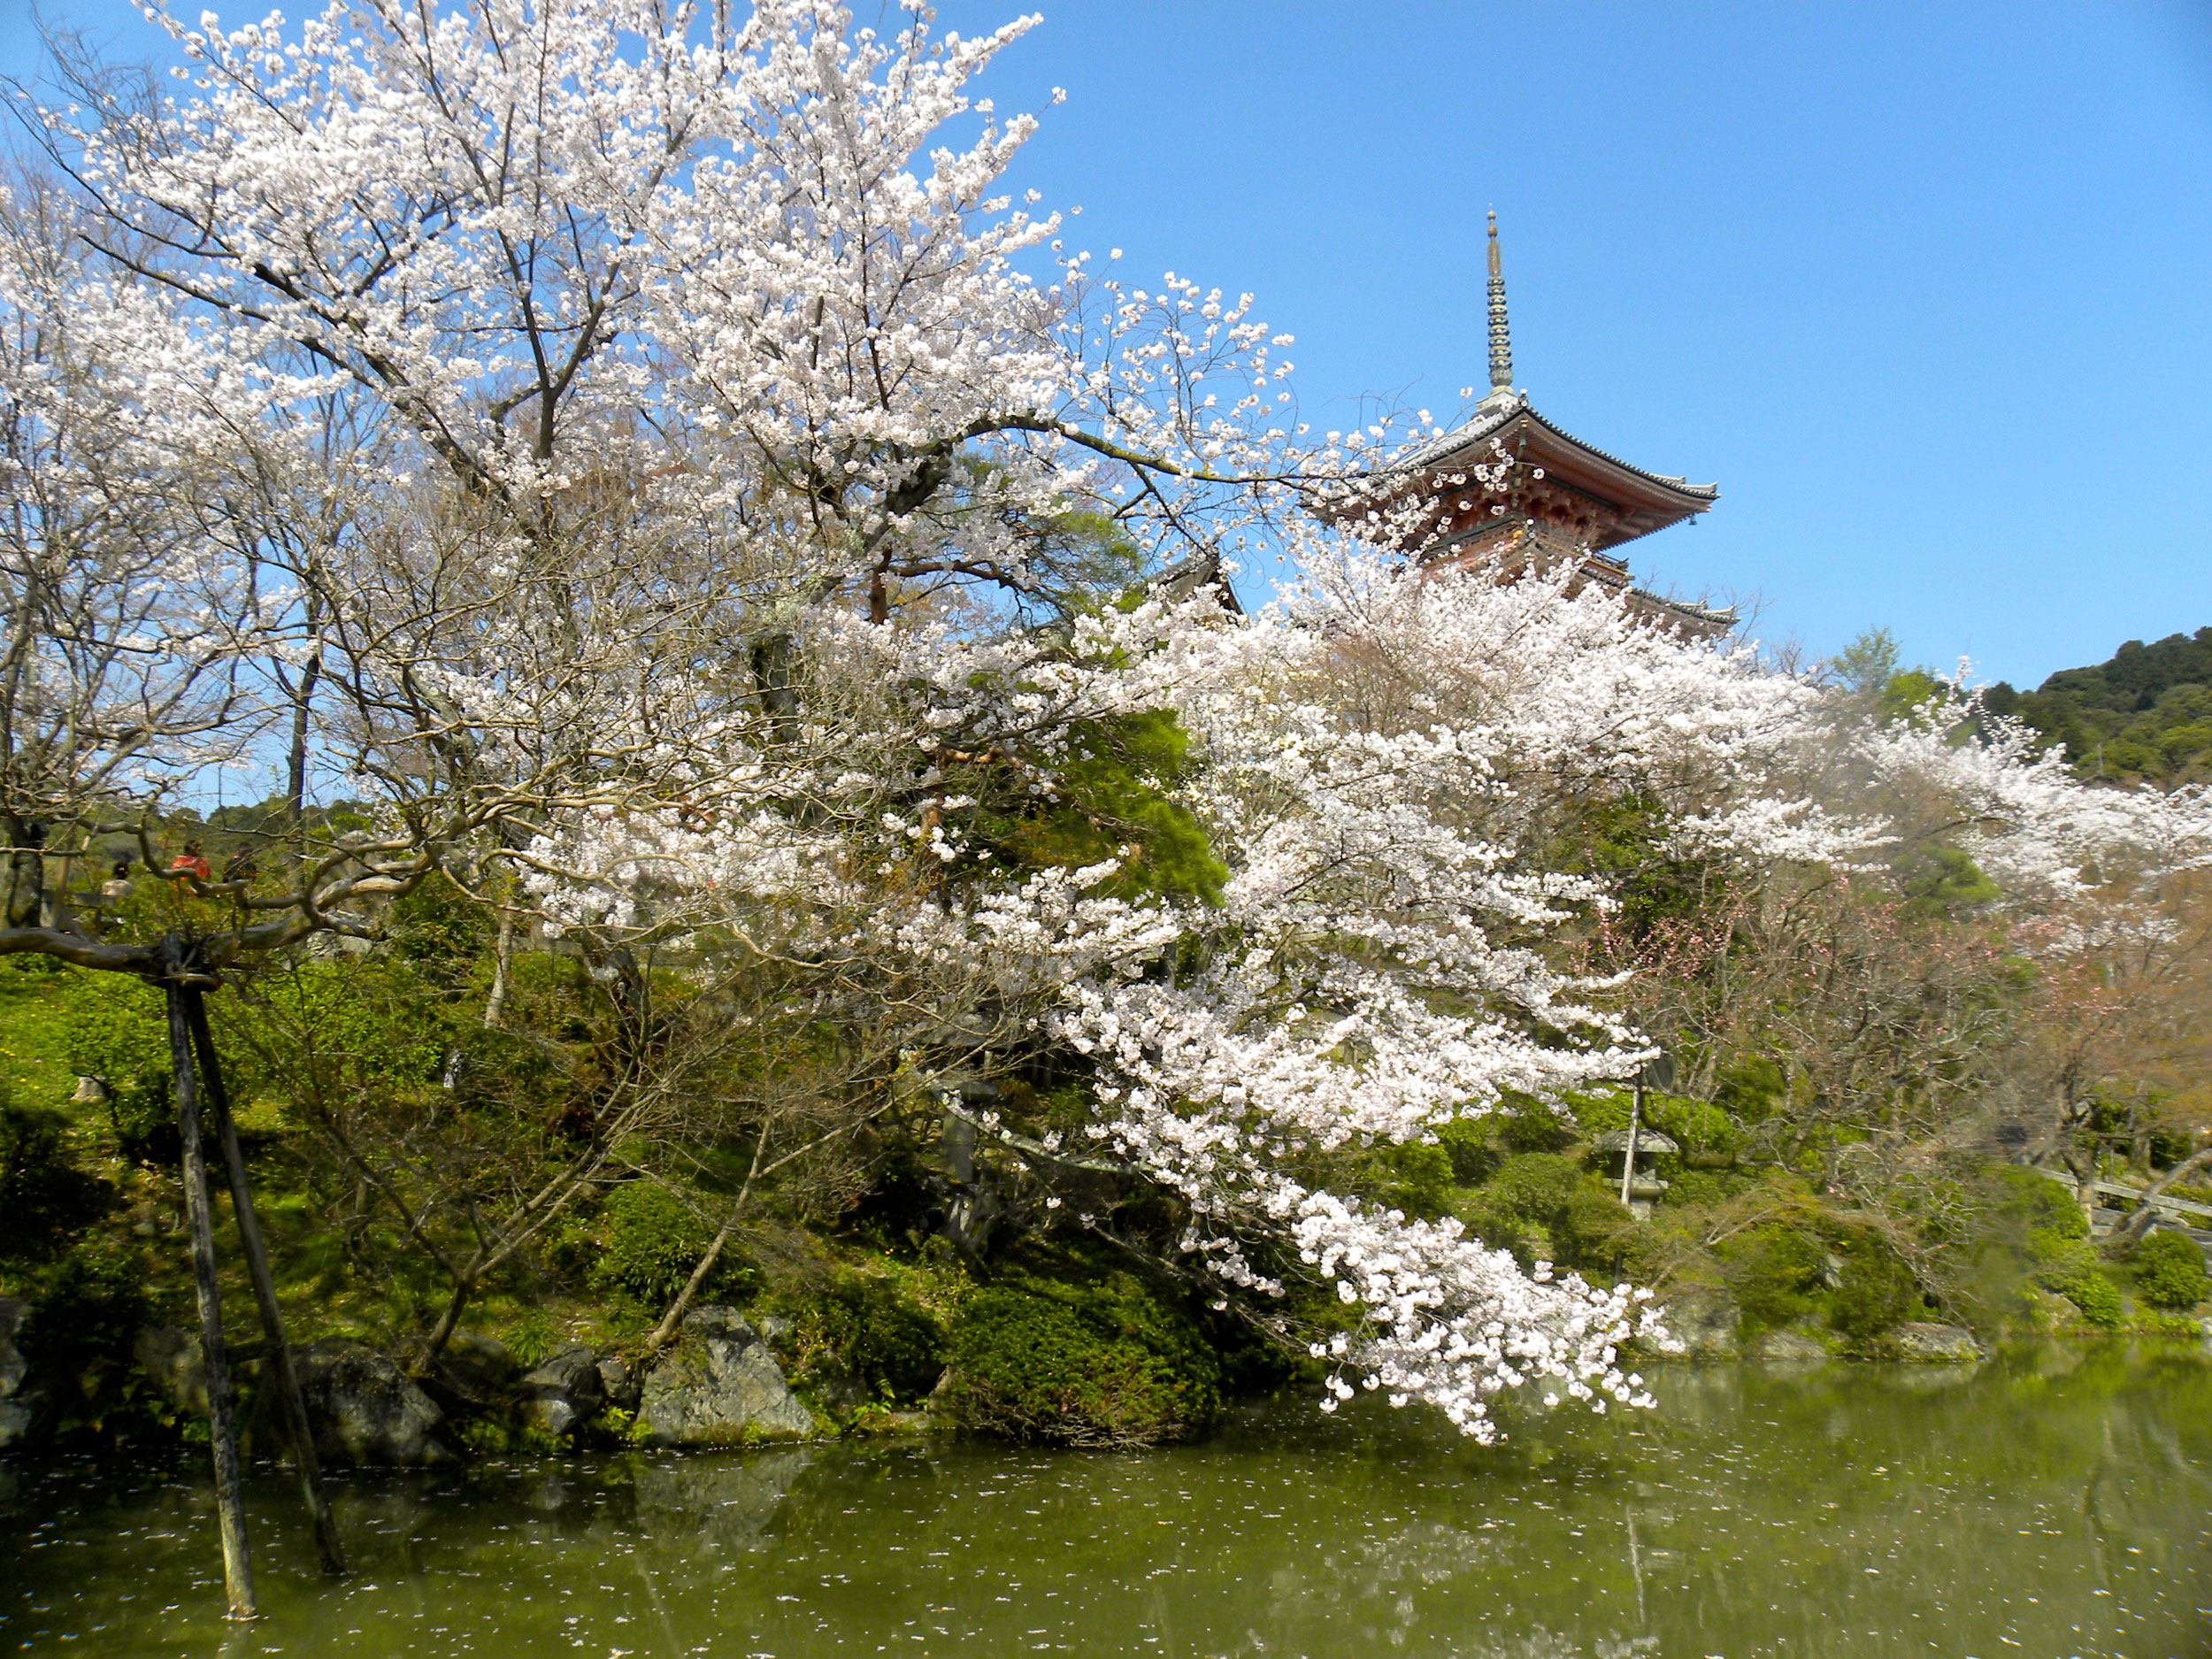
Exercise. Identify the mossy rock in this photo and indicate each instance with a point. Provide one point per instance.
(1099, 1360)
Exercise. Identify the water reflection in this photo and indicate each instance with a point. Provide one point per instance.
(2051, 1504)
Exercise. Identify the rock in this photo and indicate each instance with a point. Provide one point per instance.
(473, 1374)
(1941, 1343)
(23, 1403)
(177, 1366)
(1791, 1347)
(720, 1387)
(91, 1091)
(562, 1392)
(1704, 1322)
(479, 1364)
(364, 1409)
(619, 1381)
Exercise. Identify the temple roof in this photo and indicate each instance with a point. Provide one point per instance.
(1636, 502)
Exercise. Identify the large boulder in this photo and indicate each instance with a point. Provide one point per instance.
(720, 1386)
(1938, 1344)
(623, 1385)
(23, 1403)
(1703, 1320)
(1790, 1347)
(364, 1409)
(563, 1392)
(472, 1375)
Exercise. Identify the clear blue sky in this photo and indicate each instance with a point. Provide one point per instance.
(1927, 289)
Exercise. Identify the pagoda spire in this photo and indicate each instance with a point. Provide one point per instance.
(1500, 334)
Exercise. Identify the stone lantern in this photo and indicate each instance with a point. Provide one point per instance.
(1639, 1187)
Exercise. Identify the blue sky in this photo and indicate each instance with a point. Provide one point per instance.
(1927, 289)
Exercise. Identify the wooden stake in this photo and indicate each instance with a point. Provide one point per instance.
(287, 1378)
(222, 1427)
(1635, 1122)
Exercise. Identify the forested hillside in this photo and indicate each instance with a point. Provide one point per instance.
(2146, 713)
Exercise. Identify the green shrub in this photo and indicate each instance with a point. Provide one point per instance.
(1774, 1272)
(1101, 1361)
(1534, 1185)
(118, 1031)
(2169, 1270)
(91, 1307)
(1523, 1124)
(43, 1192)
(1468, 1144)
(1877, 1291)
(647, 1242)
(2042, 1204)
(887, 1342)
(1413, 1177)
(2093, 1293)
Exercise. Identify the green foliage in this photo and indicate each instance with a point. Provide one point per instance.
(1413, 1178)
(1694, 1125)
(1112, 793)
(873, 1329)
(1877, 1290)
(2169, 1270)
(1543, 1206)
(2145, 713)
(358, 1024)
(1101, 1359)
(646, 1242)
(43, 1195)
(1749, 1089)
(1469, 1147)
(438, 931)
(2040, 1204)
(90, 1306)
(1774, 1273)
(2089, 1290)
(1942, 880)
(118, 1030)
(1524, 1124)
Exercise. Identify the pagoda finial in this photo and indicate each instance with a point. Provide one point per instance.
(1501, 334)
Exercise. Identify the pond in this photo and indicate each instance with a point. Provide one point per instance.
(2049, 1503)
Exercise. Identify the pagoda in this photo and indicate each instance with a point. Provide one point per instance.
(1508, 492)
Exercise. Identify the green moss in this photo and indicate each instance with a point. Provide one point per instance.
(1101, 1360)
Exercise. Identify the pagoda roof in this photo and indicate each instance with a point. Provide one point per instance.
(1640, 501)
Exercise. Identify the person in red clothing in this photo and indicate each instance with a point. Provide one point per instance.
(193, 862)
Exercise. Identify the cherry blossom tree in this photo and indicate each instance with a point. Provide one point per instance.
(646, 453)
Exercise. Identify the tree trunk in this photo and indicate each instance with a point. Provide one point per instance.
(311, 1474)
(221, 1419)
(502, 967)
(295, 767)
(450, 1321)
(25, 901)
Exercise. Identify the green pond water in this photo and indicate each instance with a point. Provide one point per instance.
(2049, 1503)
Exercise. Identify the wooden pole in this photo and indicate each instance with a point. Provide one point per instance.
(286, 1377)
(222, 1425)
(1635, 1121)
